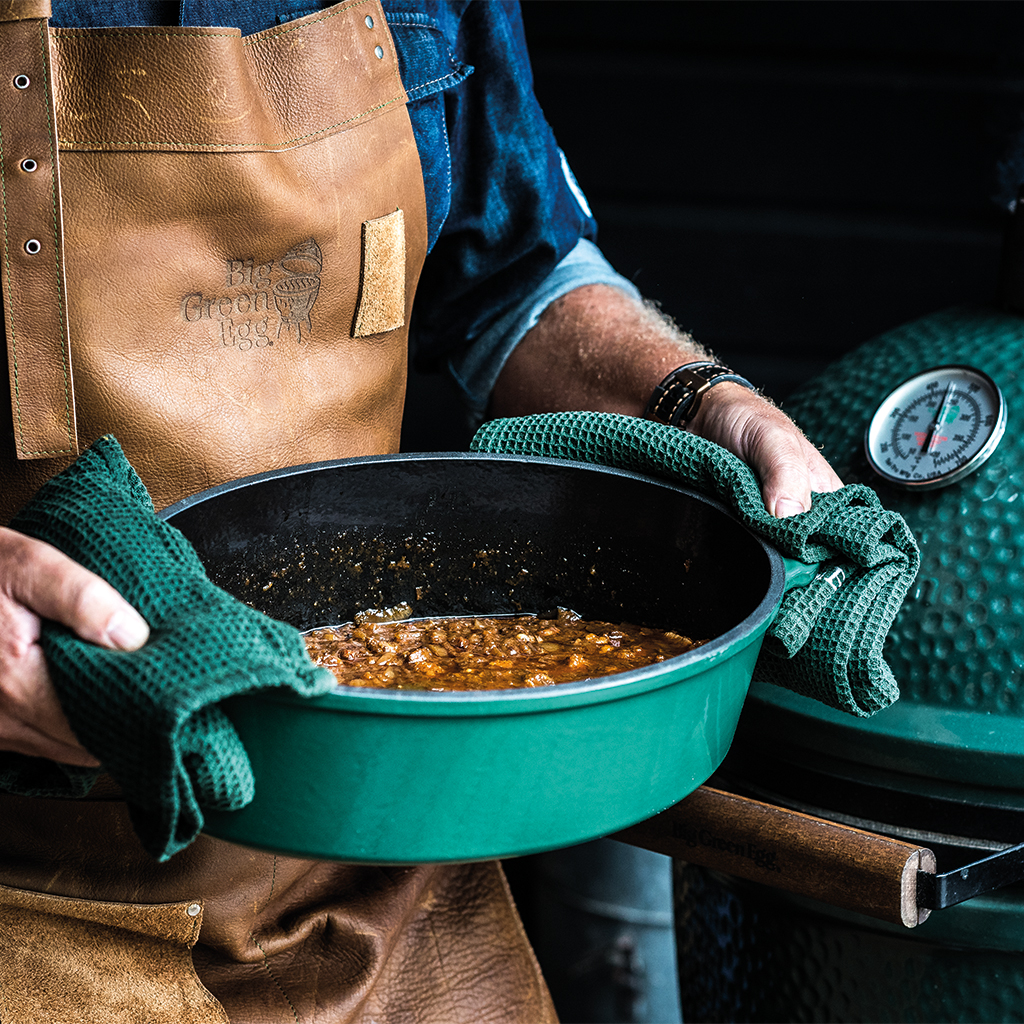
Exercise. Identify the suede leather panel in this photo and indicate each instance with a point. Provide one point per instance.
(382, 292)
(77, 962)
(286, 939)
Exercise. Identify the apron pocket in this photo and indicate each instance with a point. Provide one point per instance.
(73, 961)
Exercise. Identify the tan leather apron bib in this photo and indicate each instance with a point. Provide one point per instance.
(211, 246)
(242, 229)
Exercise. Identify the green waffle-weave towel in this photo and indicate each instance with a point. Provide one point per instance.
(151, 715)
(826, 642)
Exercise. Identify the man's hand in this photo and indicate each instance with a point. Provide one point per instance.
(787, 464)
(39, 582)
(598, 348)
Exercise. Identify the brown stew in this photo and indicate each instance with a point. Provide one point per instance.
(487, 653)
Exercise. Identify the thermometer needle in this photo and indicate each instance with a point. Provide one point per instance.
(937, 422)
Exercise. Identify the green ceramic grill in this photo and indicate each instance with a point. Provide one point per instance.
(944, 766)
(956, 646)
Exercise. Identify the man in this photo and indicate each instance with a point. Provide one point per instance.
(251, 353)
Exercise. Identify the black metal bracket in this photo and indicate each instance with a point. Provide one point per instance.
(935, 892)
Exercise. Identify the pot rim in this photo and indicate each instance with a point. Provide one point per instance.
(620, 685)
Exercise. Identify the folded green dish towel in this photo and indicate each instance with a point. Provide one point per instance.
(826, 641)
(151, 715)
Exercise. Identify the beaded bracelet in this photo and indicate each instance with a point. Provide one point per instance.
(677, 398)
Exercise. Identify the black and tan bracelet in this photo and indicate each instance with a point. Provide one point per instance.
(677, 398)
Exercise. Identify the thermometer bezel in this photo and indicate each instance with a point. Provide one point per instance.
(878, 430)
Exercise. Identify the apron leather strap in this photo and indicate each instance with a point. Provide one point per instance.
(35, 305)
(23, 10)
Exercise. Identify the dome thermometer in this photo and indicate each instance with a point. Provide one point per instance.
(936, 427)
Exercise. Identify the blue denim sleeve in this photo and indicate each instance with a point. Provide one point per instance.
(503, 209)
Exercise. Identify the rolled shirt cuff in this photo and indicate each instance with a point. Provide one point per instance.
(476, 370)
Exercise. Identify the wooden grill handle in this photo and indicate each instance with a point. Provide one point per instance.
(834, 863)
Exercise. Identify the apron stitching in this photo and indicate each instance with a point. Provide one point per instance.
(71, 34)
(267, 968)
(270, 895)
(51, 133)
(7, 270)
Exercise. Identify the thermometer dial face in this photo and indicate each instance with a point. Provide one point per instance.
(936, 427)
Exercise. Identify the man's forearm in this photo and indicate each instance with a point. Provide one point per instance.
(595, 348)
(600, 349)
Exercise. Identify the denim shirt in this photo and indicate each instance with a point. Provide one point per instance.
(508, 228)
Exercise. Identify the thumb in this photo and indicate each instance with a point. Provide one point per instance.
(55, 587)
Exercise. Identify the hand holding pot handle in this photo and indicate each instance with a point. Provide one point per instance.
(789, 467)
(37, 581)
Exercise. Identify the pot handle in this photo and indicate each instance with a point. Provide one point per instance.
(798, 574)
(801, 853)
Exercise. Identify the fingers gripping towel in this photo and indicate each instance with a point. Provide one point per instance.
(826, 641)
(151, 715)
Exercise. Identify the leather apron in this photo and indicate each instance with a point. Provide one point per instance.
(211, 246)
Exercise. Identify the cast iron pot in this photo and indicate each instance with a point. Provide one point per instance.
(407, 777)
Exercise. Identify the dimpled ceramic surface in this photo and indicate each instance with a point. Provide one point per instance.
(956, 646)
(749, 953)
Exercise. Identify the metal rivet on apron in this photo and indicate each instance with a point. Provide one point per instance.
(32, 246)
(22, 81)
(193, 909)
(379, 50)
(369, 22)
(29, 165)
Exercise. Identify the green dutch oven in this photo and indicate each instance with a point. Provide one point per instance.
(407, 777)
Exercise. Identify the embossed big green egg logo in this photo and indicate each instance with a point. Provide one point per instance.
(261, 302)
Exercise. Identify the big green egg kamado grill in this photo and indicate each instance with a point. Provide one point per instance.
(944, 766)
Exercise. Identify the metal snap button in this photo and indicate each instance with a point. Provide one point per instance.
(29, 165)
(193, 909)
(22, 81)
(369, 22)
(32, 246)
(379, 50)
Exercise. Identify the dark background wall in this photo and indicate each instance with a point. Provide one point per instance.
(787, 178)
